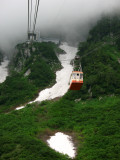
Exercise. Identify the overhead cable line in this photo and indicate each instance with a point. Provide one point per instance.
(59, 11)
(28, 15)
(31, 15)
(102, 45)
(36, 13)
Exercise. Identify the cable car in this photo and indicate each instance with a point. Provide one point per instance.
(76, 80)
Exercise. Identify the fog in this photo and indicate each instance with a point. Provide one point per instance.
(70, 19)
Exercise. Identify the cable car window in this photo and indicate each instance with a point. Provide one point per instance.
(74, 75)
(81, 76)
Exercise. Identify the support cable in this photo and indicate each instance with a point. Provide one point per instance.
(31, 15)
(56, 18)
(102, 45)
(28, 15)
(36, 13)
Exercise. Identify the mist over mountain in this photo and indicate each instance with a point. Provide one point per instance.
(70, 20)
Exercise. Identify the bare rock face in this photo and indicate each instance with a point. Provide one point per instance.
(33, 49)
(1, 57)
(27, 72)
(77, 100)
(27, 52)
(118, 60)
(90, 92)
(21, 54)
(100, 98)
(63, 52)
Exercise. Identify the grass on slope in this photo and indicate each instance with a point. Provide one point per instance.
(96, 124)
(14, 91)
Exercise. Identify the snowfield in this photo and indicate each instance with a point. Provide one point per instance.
(3, 70)
(62, 76)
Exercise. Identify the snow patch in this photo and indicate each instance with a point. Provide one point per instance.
(3, 70)
(63, 144)
(18, 108)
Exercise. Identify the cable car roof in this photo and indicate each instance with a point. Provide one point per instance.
(77, 72)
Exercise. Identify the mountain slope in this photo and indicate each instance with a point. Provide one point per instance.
(32, 68)
(101, 66)
(95, 124)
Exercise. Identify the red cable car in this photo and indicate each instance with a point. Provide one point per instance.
(76, 80)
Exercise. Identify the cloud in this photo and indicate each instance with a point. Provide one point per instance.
(59, 16)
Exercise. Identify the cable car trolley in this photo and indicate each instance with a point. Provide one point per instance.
(76, 78)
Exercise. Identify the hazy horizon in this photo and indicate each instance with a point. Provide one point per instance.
(71, 18)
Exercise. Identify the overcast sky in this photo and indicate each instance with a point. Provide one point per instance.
(63, 16)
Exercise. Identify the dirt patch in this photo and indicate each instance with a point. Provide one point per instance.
(45, 135)
(55, 99)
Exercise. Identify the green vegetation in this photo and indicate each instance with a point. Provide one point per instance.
(14, 91)
(32, 69)
(95, 123)
(107, 25)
